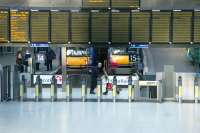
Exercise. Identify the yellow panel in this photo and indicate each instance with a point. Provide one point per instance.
(120, 27)
(161, 27)
(19, 21)
(140, 26)
(59, 27)
(80, 29)
(182, 27)
(3, 26)
(120, 59)
(77, 61)
(197, 27)
(100, 27)
(40, 26)
(96, 3)
(125, 3)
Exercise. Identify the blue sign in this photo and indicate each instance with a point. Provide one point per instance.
(39, 45)
(139, 46)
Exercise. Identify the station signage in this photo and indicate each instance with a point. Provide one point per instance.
(46, 79)
(39, 45)
(139, 46)
(121, 80)
(148, 83)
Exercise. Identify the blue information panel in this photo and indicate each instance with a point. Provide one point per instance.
(39, 45)
(139, 46)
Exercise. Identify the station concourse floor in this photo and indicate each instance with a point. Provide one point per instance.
(105, 117)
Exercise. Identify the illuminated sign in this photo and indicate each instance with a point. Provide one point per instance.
(95, 3)
(100, 27)
(40, 26)
(80, 27)
(182, 31)
(19, 21)
(59, 27)
(3, 26)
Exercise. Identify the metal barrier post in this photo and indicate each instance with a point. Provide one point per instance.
(180, 89)
(68, 90)
(22, 88)
(114, 89)
(196, 90)
(83, 89)
(130, 89)
(99, 89)
(53, 89)
(37, 89)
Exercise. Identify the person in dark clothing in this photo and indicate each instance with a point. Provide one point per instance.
(96, 72)
(50, 56)
(19, 60)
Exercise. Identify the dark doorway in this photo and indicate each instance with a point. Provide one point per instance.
(101, 55)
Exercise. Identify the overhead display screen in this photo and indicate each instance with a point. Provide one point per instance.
(140, 27)
(197, 27)
(59, 27)
(96, 3)
(100, 22)
(40, 26)
(120, 27)
(4, 26)
(161, 27)
(125, 3)
(80, 27)
(182, 27)
(19, 25)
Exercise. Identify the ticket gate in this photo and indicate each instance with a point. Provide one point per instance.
(149, 91)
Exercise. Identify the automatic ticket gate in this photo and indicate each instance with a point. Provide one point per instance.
(149, 91)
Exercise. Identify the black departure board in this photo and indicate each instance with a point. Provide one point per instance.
(39, 26)
(182, 22)
(197, 27)
(96, 3)
(100, 24)
(161, 27)
(59, 27)
(80, 27)
(125, 3)
(4, 26)
(120, 27)
(19, 26)
(140, 27)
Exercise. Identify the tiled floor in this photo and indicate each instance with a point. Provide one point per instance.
(92, 117)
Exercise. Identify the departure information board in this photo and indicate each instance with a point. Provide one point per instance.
(59, 27)
(100, 22)
(39, 26)
(161, 27)
(19, 25)
(125, 3)
(80, 27)
(120, 27)
(140, 27)
(182, 22)
(4, 26)
(197, 27)
(96, 3)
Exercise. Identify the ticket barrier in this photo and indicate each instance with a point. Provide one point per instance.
(99, 89)
(38, 89)
(196, 90)
(68, 90)
(149, 91)
(53, 89)
(23, 89)
(83, 89)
